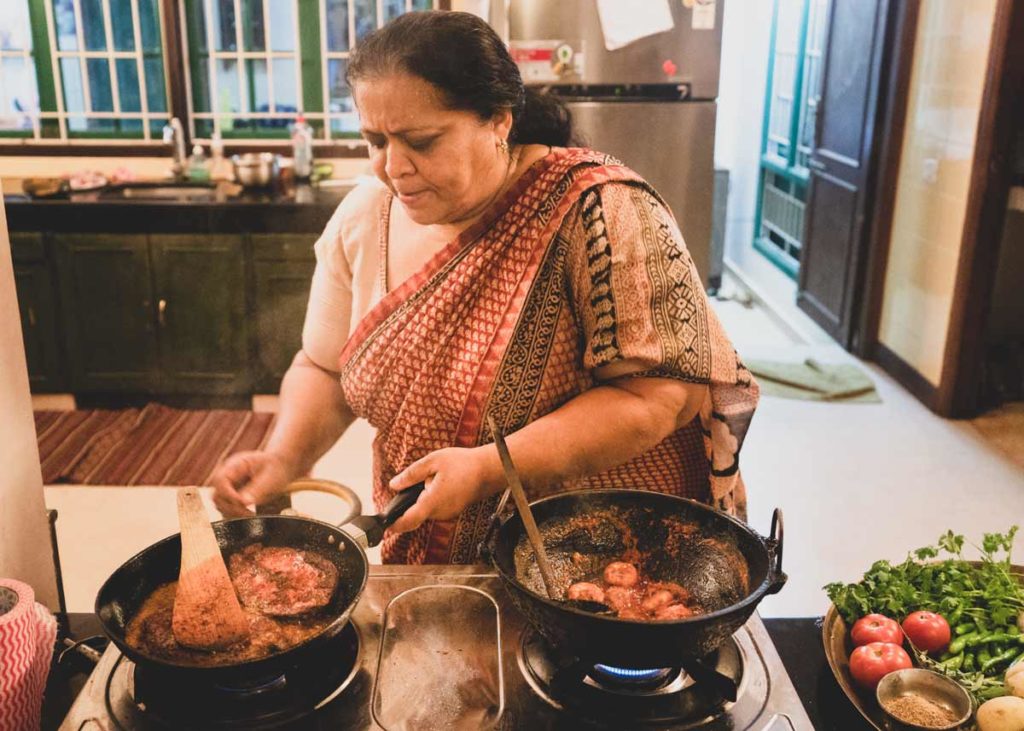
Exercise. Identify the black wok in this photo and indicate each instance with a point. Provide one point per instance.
(133, 582)
(596, 526)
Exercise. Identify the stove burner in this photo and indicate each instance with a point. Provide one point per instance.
(253, 688)
(614, 678)
(606, 696)
(138, 697)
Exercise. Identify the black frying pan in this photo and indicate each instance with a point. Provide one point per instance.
(597, 525)
(132, 583)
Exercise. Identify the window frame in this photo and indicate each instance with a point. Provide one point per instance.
(177, 64)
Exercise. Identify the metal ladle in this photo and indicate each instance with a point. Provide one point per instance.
(515, 486)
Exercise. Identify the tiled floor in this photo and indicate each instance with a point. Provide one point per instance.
(856, 482)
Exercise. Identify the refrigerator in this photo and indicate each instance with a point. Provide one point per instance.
(640, 78)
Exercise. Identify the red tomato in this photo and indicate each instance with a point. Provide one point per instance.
(870, 663)
(927, 630)
(876, 628)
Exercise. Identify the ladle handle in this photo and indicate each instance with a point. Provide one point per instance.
(523, 506)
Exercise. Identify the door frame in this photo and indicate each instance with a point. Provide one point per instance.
(957, 393)
(1001, 110)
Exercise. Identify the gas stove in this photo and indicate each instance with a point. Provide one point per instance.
(442, 647)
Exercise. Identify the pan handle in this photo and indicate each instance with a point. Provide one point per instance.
(775, 538)
(401, 503)
(368, 530)
(345, 494)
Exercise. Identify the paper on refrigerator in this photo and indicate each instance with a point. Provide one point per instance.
(626, 21)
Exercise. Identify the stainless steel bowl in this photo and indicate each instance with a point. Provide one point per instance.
(256, 169)
(927, 684)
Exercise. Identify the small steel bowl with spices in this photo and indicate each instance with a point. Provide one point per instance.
(923, 700)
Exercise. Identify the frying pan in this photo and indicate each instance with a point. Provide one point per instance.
(131, 584)
(584, 530)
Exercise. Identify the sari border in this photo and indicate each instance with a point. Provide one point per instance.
(469, 430)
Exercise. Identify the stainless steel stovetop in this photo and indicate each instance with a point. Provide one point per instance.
(441, 647)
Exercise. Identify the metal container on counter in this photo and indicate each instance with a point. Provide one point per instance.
(256, 169)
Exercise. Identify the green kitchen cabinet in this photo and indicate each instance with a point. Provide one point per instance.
(105, 284)
(37, 303)
(283, 267)
(202, 328)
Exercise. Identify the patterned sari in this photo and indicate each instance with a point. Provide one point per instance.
(578, 266)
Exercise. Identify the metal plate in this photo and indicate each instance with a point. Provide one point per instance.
(834, 636)
(837, 650)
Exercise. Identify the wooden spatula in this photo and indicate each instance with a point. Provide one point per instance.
(207, 615)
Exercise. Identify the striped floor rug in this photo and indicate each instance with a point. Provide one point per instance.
(154, 445)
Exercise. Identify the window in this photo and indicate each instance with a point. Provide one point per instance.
(794, 89)
(253, 64)
(244, 66)
(83, 68)
(342, 30)
(19, 96)
(99, 68)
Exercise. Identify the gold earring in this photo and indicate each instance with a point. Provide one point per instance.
(503, 146)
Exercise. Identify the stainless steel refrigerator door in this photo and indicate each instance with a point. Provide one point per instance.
(693, 54)
(670, 144)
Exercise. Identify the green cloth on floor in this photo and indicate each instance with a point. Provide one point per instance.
(813, 381)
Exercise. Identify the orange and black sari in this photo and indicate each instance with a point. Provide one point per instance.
(578, 266)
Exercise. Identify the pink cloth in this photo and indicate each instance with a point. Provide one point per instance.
(27, 635)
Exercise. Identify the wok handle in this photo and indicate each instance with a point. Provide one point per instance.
(775, 539)
(484, 549)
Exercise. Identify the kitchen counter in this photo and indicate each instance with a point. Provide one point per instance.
(798, 642)
(301, 209)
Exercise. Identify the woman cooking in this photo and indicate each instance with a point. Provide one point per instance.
(493, 271)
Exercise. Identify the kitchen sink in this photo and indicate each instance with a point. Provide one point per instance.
(162, 191)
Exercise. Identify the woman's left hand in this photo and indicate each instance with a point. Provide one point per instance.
(455, 478)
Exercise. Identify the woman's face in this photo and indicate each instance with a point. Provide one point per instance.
(443, 165)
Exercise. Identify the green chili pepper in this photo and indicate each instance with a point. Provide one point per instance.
(953, 663)
(990, 693)
(997, 660)
(964, 628)
(957, 646)
(985, 639)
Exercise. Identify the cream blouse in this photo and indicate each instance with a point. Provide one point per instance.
(349, 279)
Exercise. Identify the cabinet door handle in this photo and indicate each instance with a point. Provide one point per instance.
(161, 312)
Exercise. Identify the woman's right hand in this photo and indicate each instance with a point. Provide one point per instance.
(247, 479)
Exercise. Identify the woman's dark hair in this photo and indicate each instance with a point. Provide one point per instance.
(467, 62)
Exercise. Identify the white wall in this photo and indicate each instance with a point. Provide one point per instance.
(746, 33)
(25, 549)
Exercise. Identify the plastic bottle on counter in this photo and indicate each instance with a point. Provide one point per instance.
(220, 167)
(302, 148)
(197, 169)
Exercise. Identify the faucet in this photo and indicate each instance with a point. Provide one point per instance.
(174, 134)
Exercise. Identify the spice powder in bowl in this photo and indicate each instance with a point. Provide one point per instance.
(917, 710)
